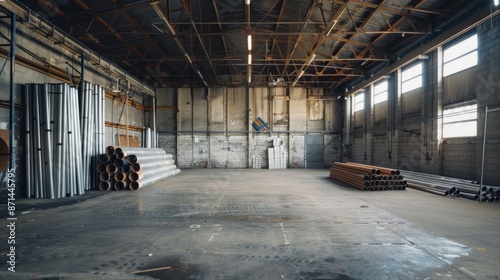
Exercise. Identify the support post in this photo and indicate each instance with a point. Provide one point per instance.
(12, 89)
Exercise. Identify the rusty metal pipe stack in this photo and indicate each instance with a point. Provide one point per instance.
(367, 177)
(133, 168)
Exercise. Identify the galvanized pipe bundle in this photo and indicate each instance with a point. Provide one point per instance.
(451, 186)
(53, 140)
(92, 131)
(133, 168)
(367, 177)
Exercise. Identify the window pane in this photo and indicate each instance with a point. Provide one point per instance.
(460, 121)
(465, 46)
(459, 64)
(380, 87)
(359, 102)
(463, 129)
(411, 84)
(360, 97)
(381, 97)
(411, 72)
(459, 114)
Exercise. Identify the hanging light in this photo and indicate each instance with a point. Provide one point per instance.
(496, 2)
(249, 59)
(249, 42)
(247, 2)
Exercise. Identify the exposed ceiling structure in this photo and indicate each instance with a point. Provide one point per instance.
(198, 43)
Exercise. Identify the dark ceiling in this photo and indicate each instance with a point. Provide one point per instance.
(311, 43)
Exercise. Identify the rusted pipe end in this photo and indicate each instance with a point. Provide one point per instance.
(132, 159)
(135, 167)
(120, 185)
(111, 168)
(103, 158)
(110, 150)
(104, 177)
(104, 186)
(134, 186)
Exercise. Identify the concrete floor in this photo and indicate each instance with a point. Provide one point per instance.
(255, 224)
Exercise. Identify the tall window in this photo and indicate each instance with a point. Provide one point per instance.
(460, 56)
(411, 78)
(460, 121)
(380, 91)
(359, 101)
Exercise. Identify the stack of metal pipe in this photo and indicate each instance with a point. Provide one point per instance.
(368, 177)
(442, 185)
(133, 168)
(53, 140)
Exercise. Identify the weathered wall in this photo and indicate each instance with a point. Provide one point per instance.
(405, 131)
(213, 127)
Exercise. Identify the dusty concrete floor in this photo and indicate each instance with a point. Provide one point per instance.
(255, 224)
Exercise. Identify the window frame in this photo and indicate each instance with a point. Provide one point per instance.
(412, 77)
(382, 95)
(356, 103)
(462, 57)
(461, 115)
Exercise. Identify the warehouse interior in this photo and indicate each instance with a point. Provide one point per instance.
(268, 121)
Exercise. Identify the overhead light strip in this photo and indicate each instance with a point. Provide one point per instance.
(249, 42)
(249, 59)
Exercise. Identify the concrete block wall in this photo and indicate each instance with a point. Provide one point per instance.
(414, 125)
(42, 51)
(213, 127)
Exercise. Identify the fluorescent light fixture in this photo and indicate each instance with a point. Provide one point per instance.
(496, 2)
(205, 83)
(249, 42)
(300, 75)
(201, 76)
(159, 12)
(331, 28)
(247, 2)
(294, 83)
(311, 59)
(249, 59)
(188, 58)
(249, 78)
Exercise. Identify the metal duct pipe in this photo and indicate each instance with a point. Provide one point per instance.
(110, 150)
(111, 168)
(151, 165)
(138, 175)
(139, 151)
(147, 140)
(104, 177)
(58, 131)
(148, 158)
(383, 170)
(105, 185)
(119, 176)
(103, 158)
(428, 189)
(125, 169)
(27, 133)
(47, 141)
(120, 185)
(119, 162)
(358, 168)
(153, 179)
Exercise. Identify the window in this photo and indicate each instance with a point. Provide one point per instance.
(460, 56)
(460, 121)
(359, 101)
(380, 92)
(411, 78)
